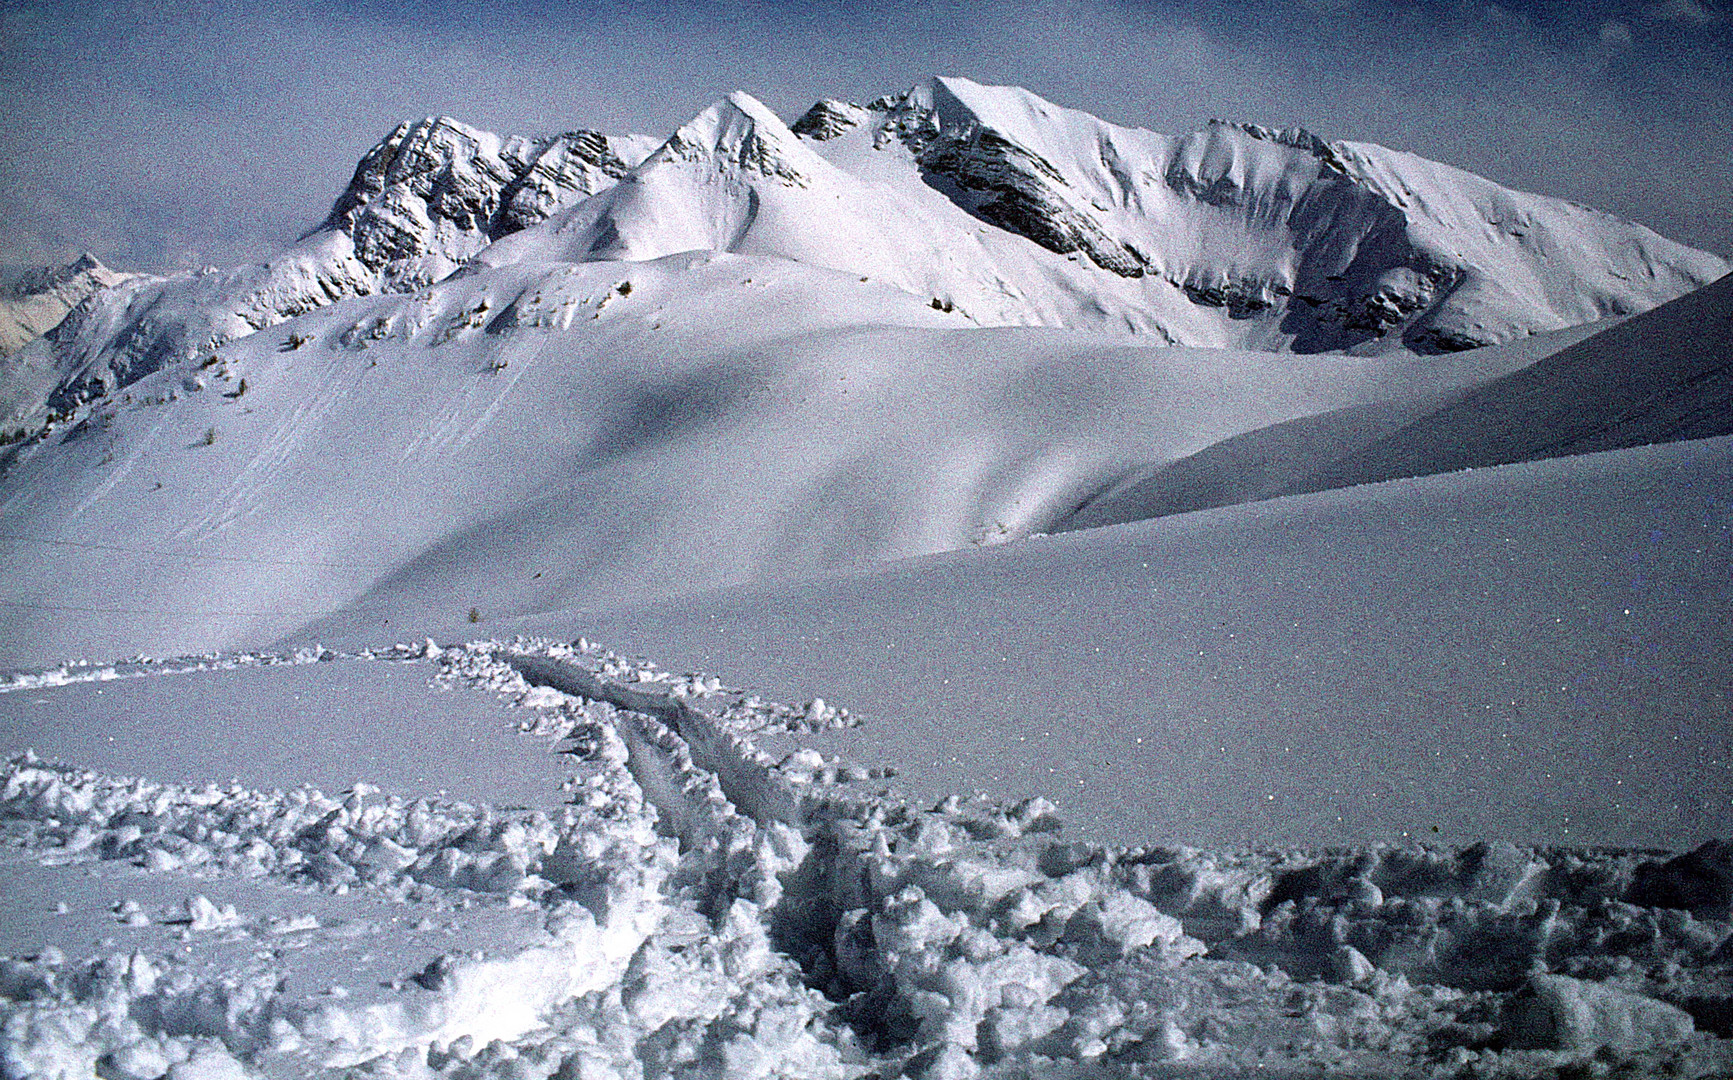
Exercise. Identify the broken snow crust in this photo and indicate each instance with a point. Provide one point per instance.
(700, 907)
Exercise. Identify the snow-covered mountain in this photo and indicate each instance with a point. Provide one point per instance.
(1274, 238)
(421, 203)
(740, 355)
(1012, 210)
(984, 200)
(790, 407)
(34, 302)
(31, 305)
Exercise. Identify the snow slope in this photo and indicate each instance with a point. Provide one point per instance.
(529, 435)
(1536, 653)
(1662, 376)
(702, 905)
(1657, 377)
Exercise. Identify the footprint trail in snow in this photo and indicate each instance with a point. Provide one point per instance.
(701, 907)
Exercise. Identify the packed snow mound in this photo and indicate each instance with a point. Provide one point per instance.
(700, 906)
(421, 203)
(1284, 239)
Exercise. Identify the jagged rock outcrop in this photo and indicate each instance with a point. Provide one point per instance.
(996, 177)
(829, 118)
(434, 192)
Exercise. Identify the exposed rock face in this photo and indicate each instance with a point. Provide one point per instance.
(828, 119)
(435, 192)
(997, 178)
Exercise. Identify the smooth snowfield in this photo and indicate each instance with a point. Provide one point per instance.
(288, 725)
(527, 436)
(1657, 377)
(1536, 653)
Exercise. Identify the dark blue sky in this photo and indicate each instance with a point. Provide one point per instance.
(162, 135)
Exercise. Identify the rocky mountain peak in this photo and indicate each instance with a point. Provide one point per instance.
(435, 191)
(829, 118)
(1297, 137)
(741, 131)
(83, 270)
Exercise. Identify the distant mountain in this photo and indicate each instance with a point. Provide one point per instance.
(1281, 239)
(34, 302)
(1011, 210)
(984, 201)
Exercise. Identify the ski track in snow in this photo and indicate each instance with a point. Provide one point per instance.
(513, 373)
(701, 908)
(120, 471)
(330, 385)
(460, 422)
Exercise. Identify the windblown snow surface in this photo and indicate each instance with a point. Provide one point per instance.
(1306, 750)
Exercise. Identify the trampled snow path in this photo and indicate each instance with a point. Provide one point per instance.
(699, 908)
